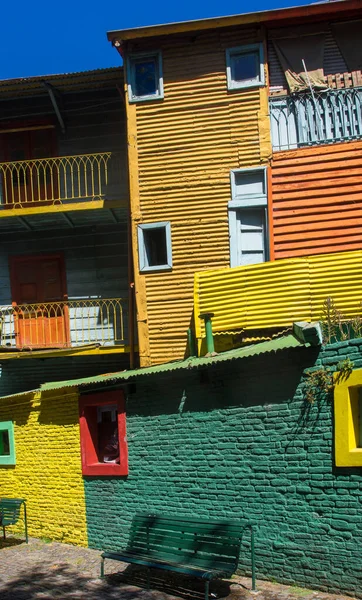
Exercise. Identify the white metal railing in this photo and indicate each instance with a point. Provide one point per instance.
(63, 324)
(305, 119)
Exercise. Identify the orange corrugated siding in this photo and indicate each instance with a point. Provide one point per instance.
(187, 144)
(317, 199)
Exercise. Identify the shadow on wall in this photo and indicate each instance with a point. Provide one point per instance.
(261, 380)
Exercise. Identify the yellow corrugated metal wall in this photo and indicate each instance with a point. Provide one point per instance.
(276, 294)
(186, 146)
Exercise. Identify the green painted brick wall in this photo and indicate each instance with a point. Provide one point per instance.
(241, 441)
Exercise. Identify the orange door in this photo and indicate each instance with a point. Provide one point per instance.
(28, 181)
(38, 289)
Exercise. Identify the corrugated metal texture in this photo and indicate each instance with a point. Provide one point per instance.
(275, 294)
(187, 145)
(95, 122)
(317, 199)
(333, 65)
(63, 81)
(283, 343)
(29, 374)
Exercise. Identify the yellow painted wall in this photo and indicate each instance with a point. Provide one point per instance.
(275, 294)
(48, 465)
(181, 151)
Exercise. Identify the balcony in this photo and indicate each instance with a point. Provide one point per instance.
(59, 180)
(68, 324)
(320, 118)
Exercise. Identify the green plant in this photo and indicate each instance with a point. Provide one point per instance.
(335, 326)
(320, 382)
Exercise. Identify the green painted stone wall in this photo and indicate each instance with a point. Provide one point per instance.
(239, 440)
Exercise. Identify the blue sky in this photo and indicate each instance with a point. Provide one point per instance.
(41, 37)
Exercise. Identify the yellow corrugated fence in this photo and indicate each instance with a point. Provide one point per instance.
(275, 294)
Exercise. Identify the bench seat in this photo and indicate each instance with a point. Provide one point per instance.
(208, 549)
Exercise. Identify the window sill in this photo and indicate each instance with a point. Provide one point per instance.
(104, 469)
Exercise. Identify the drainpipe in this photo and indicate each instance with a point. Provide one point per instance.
(191, 342)
(208, 330)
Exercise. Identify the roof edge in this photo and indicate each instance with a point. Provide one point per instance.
(280, 14)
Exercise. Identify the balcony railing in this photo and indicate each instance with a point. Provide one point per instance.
(64, 324)
(325, 117)
(54, 180)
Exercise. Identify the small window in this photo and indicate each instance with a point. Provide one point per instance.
(248, 219)
(145, 81)
(245, 66)
(103, 434)
(154, 246)
(7, 445)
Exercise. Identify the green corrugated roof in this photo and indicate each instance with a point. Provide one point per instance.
(282, 343)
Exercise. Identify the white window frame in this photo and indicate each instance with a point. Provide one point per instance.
(257, 81)
(131, 84)
(245, 202)
(143, 266)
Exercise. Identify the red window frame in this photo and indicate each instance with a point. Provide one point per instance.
(89, 434)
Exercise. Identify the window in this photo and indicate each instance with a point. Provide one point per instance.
(103, 434)
(245, 67)
(154, 246)
(248, 217)
(145, 81)
(348, 420)
(7, 444)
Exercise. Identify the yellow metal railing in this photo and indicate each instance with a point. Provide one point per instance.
(276, 294)
(64, 324)
(54, 180)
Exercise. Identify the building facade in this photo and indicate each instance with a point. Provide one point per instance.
(63, 222)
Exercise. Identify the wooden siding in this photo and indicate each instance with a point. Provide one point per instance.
(258, 298)
(186, 146)
(317, 199)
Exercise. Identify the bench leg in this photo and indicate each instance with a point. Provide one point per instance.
(26, 525)
(4, 534)
(148, 581)
(253, 579)
(207, 587)
(102, 568)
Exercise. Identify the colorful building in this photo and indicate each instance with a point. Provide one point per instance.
(238, 176)
(231, 161)
(63, 223)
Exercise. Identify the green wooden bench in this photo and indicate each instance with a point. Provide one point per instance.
(10, 513)
(204, 548)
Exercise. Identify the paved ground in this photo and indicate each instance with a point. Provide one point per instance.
(52, 571)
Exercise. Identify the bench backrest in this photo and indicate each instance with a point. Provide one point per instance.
(207, 544)
(10, 510)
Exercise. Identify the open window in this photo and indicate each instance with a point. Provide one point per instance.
(7, 443)
(103, 434)
(145, 80)
(154, 246)
(245, 67)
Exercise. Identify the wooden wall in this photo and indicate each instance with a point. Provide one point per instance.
(183, 148)
(317, 199)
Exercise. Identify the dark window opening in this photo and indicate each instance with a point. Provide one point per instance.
(4, 443)
(244, 66)
(107, 429)
(155, 246)
(145, 77)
